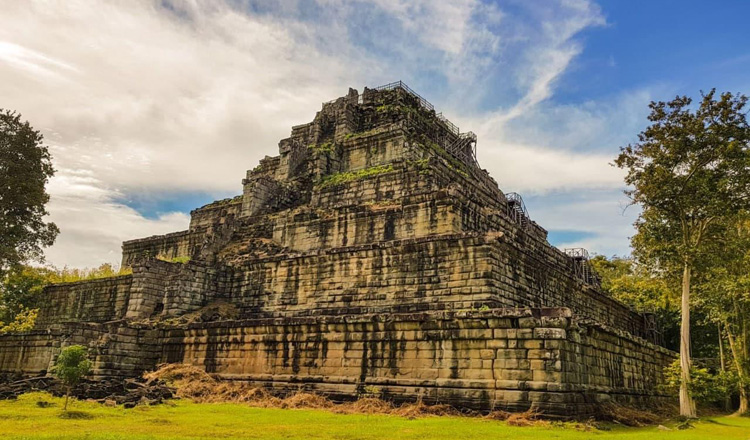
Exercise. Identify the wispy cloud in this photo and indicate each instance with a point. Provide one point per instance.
(171, 97)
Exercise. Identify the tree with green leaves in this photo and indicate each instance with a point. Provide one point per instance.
(20, 289)
(688, 172)
(71, 366)
(627, 281)
(25, 168)
(725, 300)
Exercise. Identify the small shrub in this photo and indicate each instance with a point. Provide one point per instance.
(705, 387)
(71, 366)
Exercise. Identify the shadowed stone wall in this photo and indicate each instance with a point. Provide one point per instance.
(92, 301)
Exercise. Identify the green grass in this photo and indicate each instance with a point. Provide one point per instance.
(25, 419)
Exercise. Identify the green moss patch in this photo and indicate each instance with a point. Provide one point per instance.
(350, 176)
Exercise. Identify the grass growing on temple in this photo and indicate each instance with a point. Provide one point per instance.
(40, 416)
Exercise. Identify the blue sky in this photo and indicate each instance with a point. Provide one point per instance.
(154, 108)
(685, 45)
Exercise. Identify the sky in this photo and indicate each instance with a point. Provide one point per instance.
(153, 108)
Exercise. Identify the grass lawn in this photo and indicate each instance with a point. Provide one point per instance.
(25, 419)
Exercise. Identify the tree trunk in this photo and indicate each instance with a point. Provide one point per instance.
(744, 409)
(722, 358)
(738, 353)
(67, 396)
(687, 405)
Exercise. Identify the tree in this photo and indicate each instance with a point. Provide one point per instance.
(688, 171)
(20, 288)
(725, 299)
(632, 284)
(71, 366)
(25, 168)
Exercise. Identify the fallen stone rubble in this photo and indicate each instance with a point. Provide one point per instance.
(116, 391)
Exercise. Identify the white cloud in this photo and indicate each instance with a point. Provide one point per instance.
(94, 226)
(151, 97)
(603, 215)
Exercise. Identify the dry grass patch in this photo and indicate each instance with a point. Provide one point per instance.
(628, 416)
(197, 385)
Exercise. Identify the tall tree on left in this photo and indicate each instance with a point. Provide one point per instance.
(25, 169)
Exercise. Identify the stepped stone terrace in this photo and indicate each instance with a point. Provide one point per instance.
(373, 252)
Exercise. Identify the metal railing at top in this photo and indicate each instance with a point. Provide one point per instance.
(448, 124)
(577, 253)
(581, 266)
(453, 128)
(400, 85)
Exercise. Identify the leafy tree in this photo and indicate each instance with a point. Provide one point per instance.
(688, 171)
(71, 366)
(20, 288)
(725, 299)
(22, 322)
(25, 168)
(705, 387)
(633, 285)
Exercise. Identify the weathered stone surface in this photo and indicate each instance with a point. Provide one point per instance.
(110, 391)
(372, 251)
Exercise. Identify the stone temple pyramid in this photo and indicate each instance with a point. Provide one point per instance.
(372, 253)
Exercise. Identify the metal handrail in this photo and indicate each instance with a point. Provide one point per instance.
(400, 85)
(577, 253)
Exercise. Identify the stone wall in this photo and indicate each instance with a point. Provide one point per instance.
(427, 273)
(92, 301)
(116, 350)
(163, 289)
(370, 223)
(169, 246)
(508, 359)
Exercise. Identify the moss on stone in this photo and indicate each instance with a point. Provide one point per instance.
(350, 136)
(453, 163)
(181, 260)
(325, 147)
(350, 176)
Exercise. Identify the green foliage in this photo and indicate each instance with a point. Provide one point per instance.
(68, 275)
(705, 387)
(181, 260)
(389, 109)
(20, 288)
(725, 296)
(22, 322)
(688, 170)
(453, 163)
(689, 173)
(72, 364)
(25, 168)
(325, 147)
(361, 134)
(350, 176)
(632, 284)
